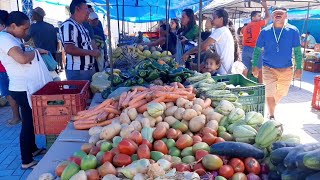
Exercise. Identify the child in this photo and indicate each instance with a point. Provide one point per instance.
(212, 63)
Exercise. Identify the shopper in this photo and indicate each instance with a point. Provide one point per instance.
(212, 63)
(221, 38)
(77, 43)
(278, 40)
(42, 33)
(174, 25)
(189, 30)
(308, 41)
(16, 61)
(250, 36)
(235, 40)
(4, 81)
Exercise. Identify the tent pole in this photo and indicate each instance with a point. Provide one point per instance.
(199, 37)
(118, 21)
(18, 5)
(122, 18)
(109, 37)
(304, 49)
(150, 19)
(167, 24)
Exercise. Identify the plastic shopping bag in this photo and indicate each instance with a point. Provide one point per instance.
(38, 76)
(49, 61)
(179, 53)
(238, 67)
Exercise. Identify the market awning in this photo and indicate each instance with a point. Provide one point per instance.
(139, 10)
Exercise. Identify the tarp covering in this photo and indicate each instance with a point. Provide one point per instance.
(139, 10)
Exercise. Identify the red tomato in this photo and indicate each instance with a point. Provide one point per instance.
(199, 169)
(107, 157)
(209, 130)
(172, 134)
(132, 142)
(237, 165)
(219, 139)
(208, 138)
(252, 165)
(196, 139)
(61, 166)
(115, 150)
(120, 160)
(144, 141)
(94, 150)
(136, 137)
(126, 147)
(75, 159)
(184, 141)
(180, 167)
(200, 154)
(160, 146)
(159, 132)
(143, 152)
(226, 171)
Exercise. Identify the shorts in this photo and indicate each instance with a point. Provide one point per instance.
(4, 84)
(79, 74)
(277, 81)
(247, 54)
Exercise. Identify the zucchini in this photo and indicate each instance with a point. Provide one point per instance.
(217, 92)
(236, 149)
(299, 160)
(315, 176)
(277, 156)
(228, 97)
(312, 159)
(198, 77)
(281, 169)
(280, 144)
(296, 174)
(290, 160)
(273, 175)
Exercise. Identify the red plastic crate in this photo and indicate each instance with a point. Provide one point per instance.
(55, 103)
(316, 93)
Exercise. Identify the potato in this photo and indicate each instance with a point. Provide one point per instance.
(124, 118)
(145, 122)
(137, 125)
(132, 113)
(164, 105)
(181, 102)
(170, 120)
(152, 121)
(158, 119)
(197, 108)
(188, 105)
(197, 123)
(185, 122)
(126, 131)
(170, 111)
(199, 102)
(214, 116)
(207, 110)
(189, 114)
(94, 139)
(169, 104)
(165, 124)
(213, 124)
(95, 130)
(178, 113)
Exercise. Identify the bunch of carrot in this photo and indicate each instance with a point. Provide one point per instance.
(138, 98)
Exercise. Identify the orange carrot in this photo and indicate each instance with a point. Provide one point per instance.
(104, 123)
(180, 85)
(102, 116)
(128, 98)
(137, 98)
(112, 110)
(121, 99)
(84, 126)
(111, 115)
(174, 96)
(85, 121)
(103, 104)
(140, 88)
(207, 103)
(169, 100)
(115, 105)
(191, 97)
(142, 108)
(138, 103)
(159, 99)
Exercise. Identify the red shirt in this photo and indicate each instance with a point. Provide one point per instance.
(251, 33)
(2, 69)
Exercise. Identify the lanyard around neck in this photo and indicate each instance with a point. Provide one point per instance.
(275, 36)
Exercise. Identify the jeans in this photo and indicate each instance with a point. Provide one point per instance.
(4, 84)
(247, 56)
(79, 74)
(27, 137)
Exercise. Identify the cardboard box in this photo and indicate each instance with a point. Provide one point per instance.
(312, 66)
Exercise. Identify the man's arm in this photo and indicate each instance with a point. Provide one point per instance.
(267, 16)
(255, 57)
(298, 57)
(204, 46)
(75, 51)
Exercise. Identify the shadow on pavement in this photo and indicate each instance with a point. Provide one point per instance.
(313, 130)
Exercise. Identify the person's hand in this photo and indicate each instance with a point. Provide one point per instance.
(185, 57)
(95, 53)
(42, 51)
(264, 3)
(255, 72)
(183, 39)
(297, 74)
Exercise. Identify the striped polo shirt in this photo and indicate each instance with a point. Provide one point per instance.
(74, 33)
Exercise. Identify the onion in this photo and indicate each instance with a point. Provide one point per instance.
(252, 176)
(264, 168)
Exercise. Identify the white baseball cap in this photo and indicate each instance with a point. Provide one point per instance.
(93, 16)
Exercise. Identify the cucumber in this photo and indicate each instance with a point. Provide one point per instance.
(299, 160)
(296, 174)
(217, 92)
(236, 149)
(273, 175)
(315, 176)
(277, 156)
(280, 144)
(290, 160)
(228, 97)
(281, 169)
(312, 159)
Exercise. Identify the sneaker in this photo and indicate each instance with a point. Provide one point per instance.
(39, 152)
(271, 118)
(30, 165)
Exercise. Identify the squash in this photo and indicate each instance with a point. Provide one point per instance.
(236, 149)
(277, 156)
(312, 159)
(269, 132)
(224, 107)
(254, 118)
(147, 133)
(155, 109)
(235, 115)
(290, 160)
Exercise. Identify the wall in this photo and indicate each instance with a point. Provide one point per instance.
(10, 5)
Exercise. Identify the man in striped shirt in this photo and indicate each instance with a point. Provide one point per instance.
(77, 43)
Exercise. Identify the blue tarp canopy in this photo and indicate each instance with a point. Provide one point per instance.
(139, 10)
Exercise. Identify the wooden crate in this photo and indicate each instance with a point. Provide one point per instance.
(312, 66)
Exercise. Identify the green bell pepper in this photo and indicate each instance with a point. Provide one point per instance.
(176, 72)
(177, 79)
(159, 67)
(142, 73)
(140, 81)
(117, 80)
(145, 64)
(128, 83)
(153, 75)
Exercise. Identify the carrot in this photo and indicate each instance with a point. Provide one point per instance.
(138, 103)
(169, 100)
(111, 115)
(137, 98)
(140, 88)
(85, 121)
(104, 123)
(174, 96)
(207, 103)
(180, 92)
(180, 85)
(142, 108)
(160, 99)
(190, 97)
(128, 98)
(102, 116)
(115, 105)
(122, 98)
(149, 96)
(103, 104)
(81, 113)
(83, 126)
(112, 110)
(175, 85)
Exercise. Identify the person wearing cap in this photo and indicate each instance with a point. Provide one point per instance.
(308, 41)
(42, 33)
(278, 39)
(250, 35)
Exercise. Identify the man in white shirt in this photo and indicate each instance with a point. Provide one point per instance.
(221, 38)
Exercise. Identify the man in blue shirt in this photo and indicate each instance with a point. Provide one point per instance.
(278, 40)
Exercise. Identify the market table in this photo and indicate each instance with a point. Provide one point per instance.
(68, 142)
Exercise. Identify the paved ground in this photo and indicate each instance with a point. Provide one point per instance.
(294, 111)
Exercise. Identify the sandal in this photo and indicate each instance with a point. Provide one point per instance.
(14, 122)
(39, 152)
(30, 165)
